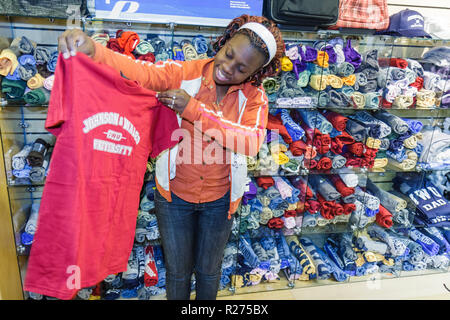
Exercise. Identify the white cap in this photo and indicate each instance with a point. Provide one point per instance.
(265, 36)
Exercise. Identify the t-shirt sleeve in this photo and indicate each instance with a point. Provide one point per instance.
(164, 123)
(56, 114)
(160, 76)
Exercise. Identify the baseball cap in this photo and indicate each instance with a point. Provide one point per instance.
(406, 23)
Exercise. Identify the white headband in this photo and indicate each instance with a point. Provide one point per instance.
(265, 35)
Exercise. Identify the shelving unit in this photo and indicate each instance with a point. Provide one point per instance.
(21, 124)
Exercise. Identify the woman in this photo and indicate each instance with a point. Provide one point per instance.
(223, 113)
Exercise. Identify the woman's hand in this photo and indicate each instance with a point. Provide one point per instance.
(176, 99)
(73, 40)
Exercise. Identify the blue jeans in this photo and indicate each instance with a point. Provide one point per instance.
(193, 238)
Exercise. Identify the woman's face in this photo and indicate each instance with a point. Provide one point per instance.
(236, 61)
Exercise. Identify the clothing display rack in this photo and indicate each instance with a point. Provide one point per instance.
(354, 158)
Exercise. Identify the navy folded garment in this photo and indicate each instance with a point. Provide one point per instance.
(432, 207)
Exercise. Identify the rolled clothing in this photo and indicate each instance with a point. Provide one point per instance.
(370, 60)
(144, 47)
(270, 85)
(146, 204)
(48, 82)
(403, 102)
(372, 100)
(334, 81)
(8, 62)
(370, 201)
(322, 59)
(372, 75)
(350, 179)
(318, 82)
(338, 99)
(38, 174)
(19, 160)
(326, 208)
(396, 123)
(324, 187)
(51, 63)
(390, 92)
(431, 80)
(415, 66)
(324, 163)
(346, 252)
(295, 131)
(358, 218)
(346, 89)
(351, 55)
(384, 145)
(393, 62)
(37, 153)
(37, 97)
(32, 221)
(425, 99)
(395, 73)
(436, 235)
(367, 118)
(345, 69)
(314, 119)
(265, 182)
(356, 130)
(27, 71)
(13, 89)
(384, 218)
(309, 219)
(343, 139)
(322, 268)
(306, 262)
(428, 245)
(283, 187)
(358, 99)
(336, 269)
(380, 162)
(340, 186)
(297, 148)
(410, 142)
(36, 81)
(338, 121)
(412, 155)
(42, 55)
(405, 165)
(301, 184)
(338, 161)
(361, 80)
(303, 78)
(373, 143)
(25, 45)
(390, 201)
(14, 76)
(286, 64)
(396, 247)
(275, 123)
(414, 125)
(370, 86)
(249, 194)
(288, 86)
(364, 242)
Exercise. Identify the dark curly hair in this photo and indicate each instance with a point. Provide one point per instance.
(273, 68)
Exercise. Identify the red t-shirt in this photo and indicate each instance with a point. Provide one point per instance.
(106, 128)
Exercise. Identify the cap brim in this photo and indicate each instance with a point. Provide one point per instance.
(414, 33)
